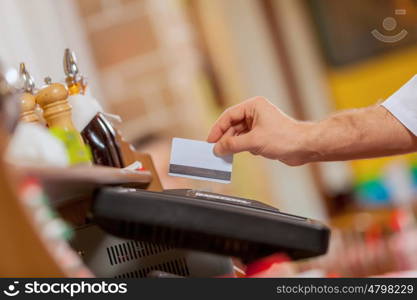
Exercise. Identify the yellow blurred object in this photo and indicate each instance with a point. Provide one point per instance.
(366, 83)
(73, 88)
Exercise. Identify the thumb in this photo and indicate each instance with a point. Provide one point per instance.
(233, 144)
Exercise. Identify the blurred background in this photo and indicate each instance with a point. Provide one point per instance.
(170, 67)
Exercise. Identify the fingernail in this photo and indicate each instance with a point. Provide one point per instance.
(217, 150)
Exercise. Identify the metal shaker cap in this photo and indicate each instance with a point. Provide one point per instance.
(26, 80)
(70, 64)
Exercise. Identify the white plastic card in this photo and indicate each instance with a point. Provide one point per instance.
(196, 160)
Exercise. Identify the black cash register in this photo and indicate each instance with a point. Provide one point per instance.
(208, 222)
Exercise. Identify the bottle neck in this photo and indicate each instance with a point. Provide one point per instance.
(75, 87)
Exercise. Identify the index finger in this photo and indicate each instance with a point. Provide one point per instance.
(228, 118)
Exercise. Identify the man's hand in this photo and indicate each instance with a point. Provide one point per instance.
(258, 126)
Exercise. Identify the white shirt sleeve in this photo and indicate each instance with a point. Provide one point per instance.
(403, 105)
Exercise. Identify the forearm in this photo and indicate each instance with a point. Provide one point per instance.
(356, 134)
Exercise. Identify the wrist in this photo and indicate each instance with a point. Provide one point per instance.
(309, 145)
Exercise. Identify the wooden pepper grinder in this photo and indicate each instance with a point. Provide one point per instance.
(53, 98)
(27, 99)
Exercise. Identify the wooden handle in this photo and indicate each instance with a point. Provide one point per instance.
(130, 155)
(27, 106)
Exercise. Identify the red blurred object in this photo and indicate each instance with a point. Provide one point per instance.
(373, 234)
(29, 181)
(398, 220)
(266, 263)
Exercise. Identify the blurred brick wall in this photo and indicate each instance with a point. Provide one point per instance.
(152, 75)
(149, 66)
